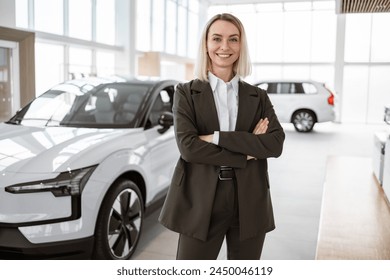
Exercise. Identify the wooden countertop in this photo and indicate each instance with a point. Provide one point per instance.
(355, 214)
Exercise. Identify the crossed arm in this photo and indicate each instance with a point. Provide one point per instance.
(260, 128)
(234, 148)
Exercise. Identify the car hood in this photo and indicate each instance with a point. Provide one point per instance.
(57, 149)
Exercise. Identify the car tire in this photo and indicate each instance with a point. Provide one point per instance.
(120, 220)
(303, 120)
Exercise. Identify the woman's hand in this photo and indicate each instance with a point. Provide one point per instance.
(261, 127)
(207, 138)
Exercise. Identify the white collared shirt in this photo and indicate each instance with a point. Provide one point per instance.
(226, 102)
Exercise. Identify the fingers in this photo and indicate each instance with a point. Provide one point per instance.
(261, 126)
(207, 138)
(257, 127)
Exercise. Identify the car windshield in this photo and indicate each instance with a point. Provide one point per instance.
(108, 106)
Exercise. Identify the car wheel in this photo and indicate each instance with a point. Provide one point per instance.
(303, 120)
(119, 223)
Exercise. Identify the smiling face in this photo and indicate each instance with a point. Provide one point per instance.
(223, 46)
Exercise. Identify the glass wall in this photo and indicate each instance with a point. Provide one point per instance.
(105, 22)
(297, 40)
(171, 28)
(49, 66)
(80, 19)
(367, 68)
(287, 40)
(144, 10)
(168, 26)
(79, 36)
(80, 62)
(86, 46)
(48, 16)
(292, 40)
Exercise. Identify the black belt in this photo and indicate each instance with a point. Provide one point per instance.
(226, 173)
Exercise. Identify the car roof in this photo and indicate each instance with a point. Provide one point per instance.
(91, 83)
(288, 81)
(95, 81)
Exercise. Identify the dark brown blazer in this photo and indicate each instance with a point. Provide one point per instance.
(188, 205)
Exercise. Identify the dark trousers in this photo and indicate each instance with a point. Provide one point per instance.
(224, 223)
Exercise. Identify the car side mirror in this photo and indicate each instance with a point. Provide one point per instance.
(166, 121)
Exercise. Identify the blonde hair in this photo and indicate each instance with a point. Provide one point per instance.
(242, 67)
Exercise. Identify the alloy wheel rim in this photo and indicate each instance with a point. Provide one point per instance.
(303, 121)
(124, 223)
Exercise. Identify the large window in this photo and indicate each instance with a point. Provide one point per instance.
(367, 68)
(86, 45)
(80, 19)
(193, 27)
(297, 40)
(357, 38)
(143, 25)
(158, 29)
(21, 13)
(269, 41)
(105, 65)
(171, 27)
(169, 30)
(80, 62)
(182, 30)
(48, 16)
(105, 21)
(297, 35)
(291, 40)
(168, 26)
(49, 66)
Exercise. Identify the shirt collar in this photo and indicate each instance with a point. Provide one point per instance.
(214, 80)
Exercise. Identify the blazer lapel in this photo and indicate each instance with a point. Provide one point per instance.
(247, 106)
(204, 105)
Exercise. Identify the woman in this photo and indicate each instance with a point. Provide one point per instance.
(225, 130)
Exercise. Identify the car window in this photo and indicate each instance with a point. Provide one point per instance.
(263, 86)
(288, 88)
(309, 88)
(52, 106)
(110, 105)
(162, 103)
(296, 88)
(283, 88)
(127, 102)
(272, 88)
(114, 104)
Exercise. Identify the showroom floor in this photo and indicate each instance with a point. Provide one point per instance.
(297, 181)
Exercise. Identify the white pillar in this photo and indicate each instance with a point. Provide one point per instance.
(339, 63)
(125, 61)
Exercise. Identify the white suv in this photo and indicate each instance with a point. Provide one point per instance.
(302, 103)
(81, 165)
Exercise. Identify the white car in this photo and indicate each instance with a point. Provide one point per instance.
(81, 164)
(302, 103)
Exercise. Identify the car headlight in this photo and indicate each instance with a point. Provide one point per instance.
(70, 183)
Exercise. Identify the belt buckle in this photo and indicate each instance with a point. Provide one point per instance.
(224, 168)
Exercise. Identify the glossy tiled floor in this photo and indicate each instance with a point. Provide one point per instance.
(297, 180)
